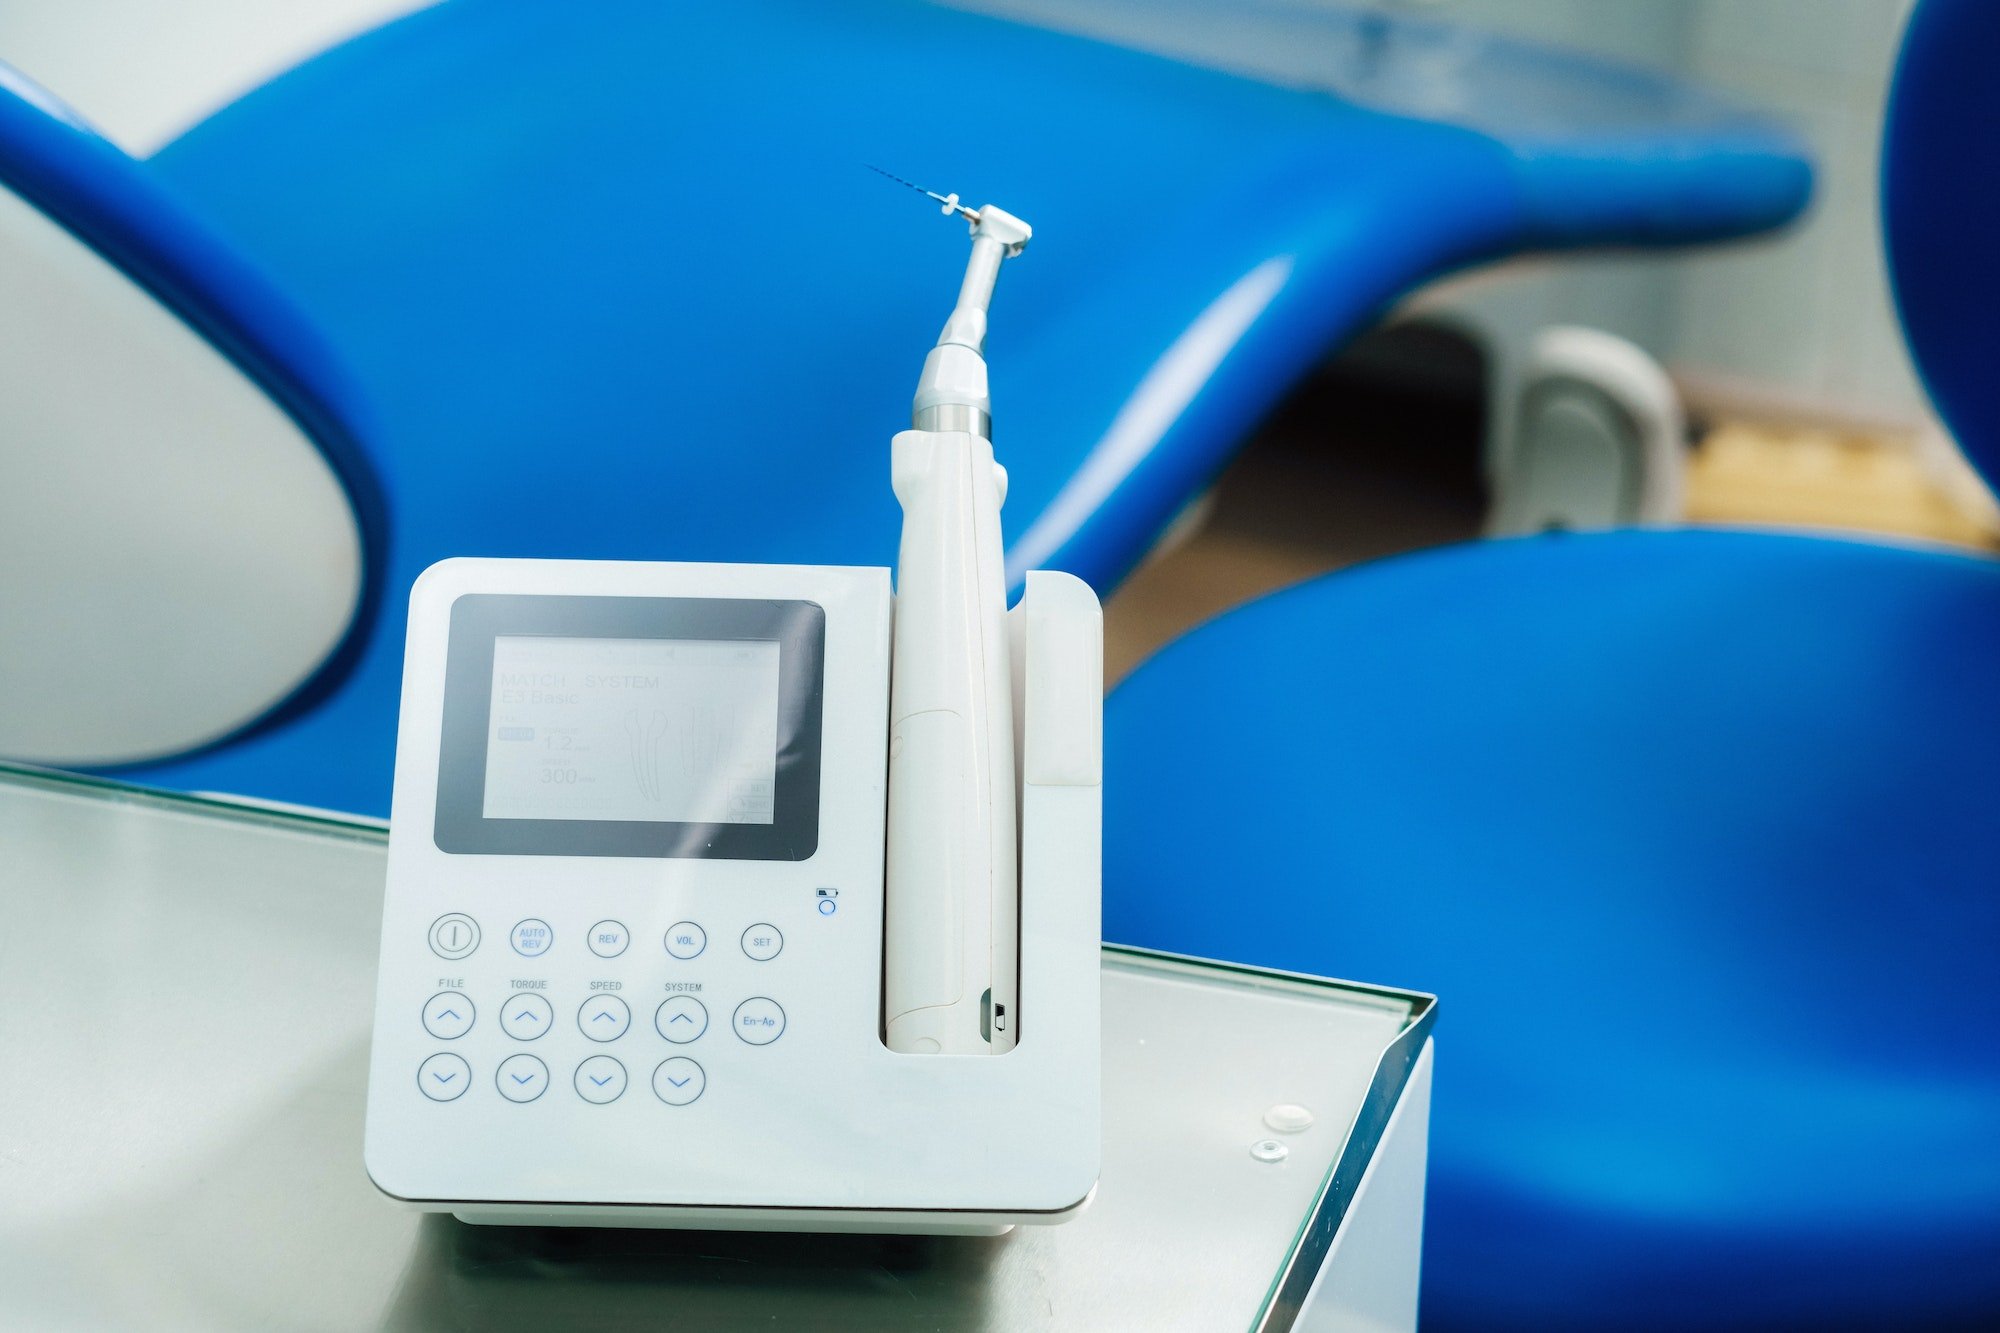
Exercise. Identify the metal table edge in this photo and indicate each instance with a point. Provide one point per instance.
(1288, 1291)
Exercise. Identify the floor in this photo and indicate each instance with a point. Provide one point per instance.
(1363, 464)
(1350, 470)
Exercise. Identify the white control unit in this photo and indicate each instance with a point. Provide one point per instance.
(632, 951)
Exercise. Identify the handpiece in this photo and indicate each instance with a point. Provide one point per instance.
(952, 939)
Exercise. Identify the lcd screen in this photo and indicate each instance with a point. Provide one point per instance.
(633, 730)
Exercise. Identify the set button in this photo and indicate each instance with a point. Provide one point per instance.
(759, 1021)
(526, 1016)
(608, 939)
(604, 1018)
(448, 1015)
(678, 1081)
(454, 935)
(763, 942)
(686, 940)
(600, 1079)
(532, 938)
(681, 1019)
(444, 1077)
(521, 1078)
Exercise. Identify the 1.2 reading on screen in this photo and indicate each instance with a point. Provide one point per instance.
(621, 729)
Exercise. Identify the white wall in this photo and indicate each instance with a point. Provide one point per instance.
(1802, 320)
(1805, 316)
(142, 71)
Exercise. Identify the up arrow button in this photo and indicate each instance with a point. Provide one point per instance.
(448, 1015)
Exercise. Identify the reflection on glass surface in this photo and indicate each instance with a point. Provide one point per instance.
(195, 1126)
(649, 730)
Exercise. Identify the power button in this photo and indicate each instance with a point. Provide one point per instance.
(454, 935)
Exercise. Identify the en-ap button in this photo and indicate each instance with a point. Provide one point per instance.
(759, 1021)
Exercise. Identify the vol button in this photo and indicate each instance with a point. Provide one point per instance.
(454, 935)
(686, 940)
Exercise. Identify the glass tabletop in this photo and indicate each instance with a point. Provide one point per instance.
(189, 985)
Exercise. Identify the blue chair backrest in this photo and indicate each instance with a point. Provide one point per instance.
(154, 383)
(619, 284)
(1941, 214)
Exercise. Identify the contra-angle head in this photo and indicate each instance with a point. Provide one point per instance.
(951, 392)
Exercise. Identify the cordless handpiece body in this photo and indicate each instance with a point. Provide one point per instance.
(951, 963)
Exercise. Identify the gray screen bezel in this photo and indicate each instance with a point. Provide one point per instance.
(477, 619)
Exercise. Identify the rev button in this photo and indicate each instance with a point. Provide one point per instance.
(608, 939)
(532, 937)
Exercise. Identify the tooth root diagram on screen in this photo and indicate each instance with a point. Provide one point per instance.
(646, 732)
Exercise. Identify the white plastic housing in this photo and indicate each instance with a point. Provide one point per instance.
(1592, 437)
(952, 880)
(825, 1127)
(179, 557)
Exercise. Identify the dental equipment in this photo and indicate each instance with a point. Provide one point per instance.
(780, 850)
(950, 965)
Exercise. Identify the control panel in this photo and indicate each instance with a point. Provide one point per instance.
(633, 919)
(545, 1035)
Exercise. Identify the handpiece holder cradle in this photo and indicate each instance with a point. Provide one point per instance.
(958, 1144)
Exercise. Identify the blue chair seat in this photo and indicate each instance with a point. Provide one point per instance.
(616, 282)
(1694, 833)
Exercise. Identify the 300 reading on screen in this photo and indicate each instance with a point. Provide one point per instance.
(647, 730)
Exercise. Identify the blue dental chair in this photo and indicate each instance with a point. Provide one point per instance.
(1695, 833)
(613, 280)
